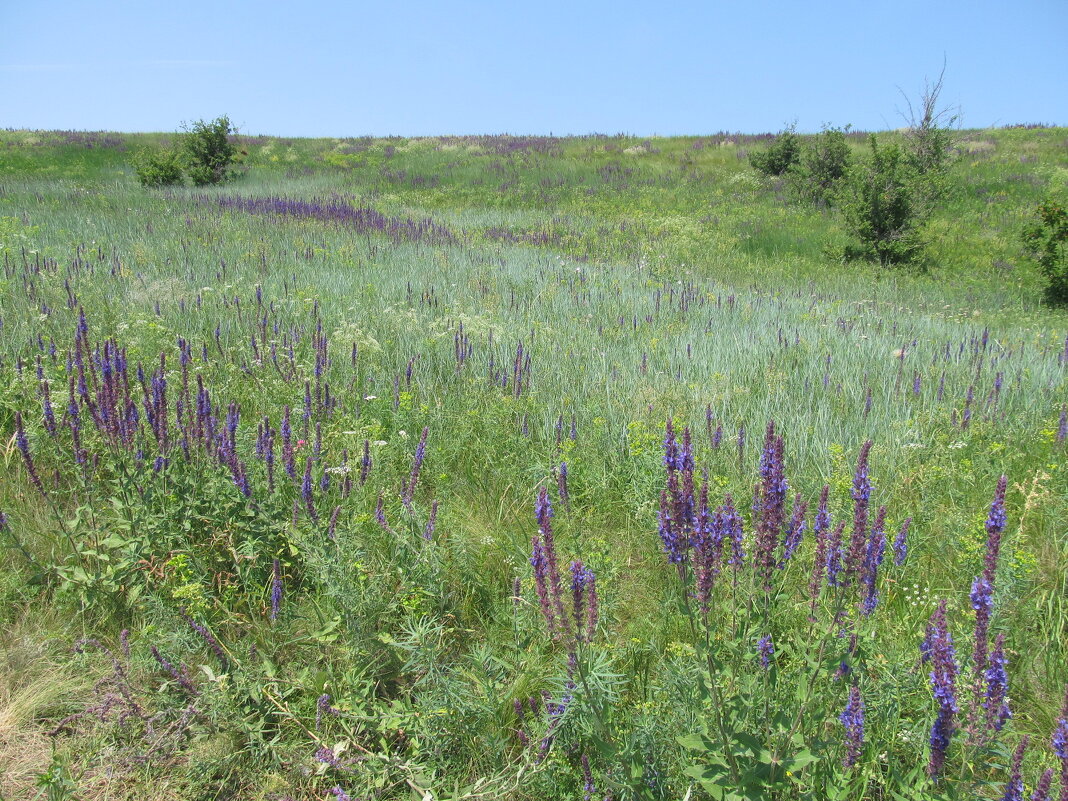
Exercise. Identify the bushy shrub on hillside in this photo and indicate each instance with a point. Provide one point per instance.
(783, 154)
(208, 150)
(1046, 240)
(159, 168)
(883, 207)
(823, 166)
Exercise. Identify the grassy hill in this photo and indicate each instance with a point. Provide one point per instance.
(274, 451)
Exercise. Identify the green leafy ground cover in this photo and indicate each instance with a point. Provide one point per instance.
(528, 303)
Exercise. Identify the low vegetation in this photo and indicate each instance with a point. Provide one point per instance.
(525, 467)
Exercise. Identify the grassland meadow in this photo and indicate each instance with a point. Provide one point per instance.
(500, 467)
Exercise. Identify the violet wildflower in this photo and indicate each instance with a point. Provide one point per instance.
(852, 718)
(732, 527)
(834, 555)
(872, 560)
(380, 514)
(27, 457)
(861, 494)
(671, 535)
(995, 525)
(174, 673)
(417, 464)
(546, 568)
(327, 757)
(1062, 425)
(208, 638)
(982, 604)
(331, 527)
(795, 531)
(1014, 789)
(588, 786)
(901, 548)
(769, 505)
(276, 589)
(996, 702)
(323, 708)
(431, 522)
(766, 651)
(307, 491)
(287, 445)
(943, 687)
(365, 462)
(820, 531)
(584, 600)
(561, 484)
(1041, 792)
(1059, 743)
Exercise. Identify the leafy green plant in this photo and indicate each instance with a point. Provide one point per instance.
(883, 207)
(1046, 240)
(208, 151)
(823, 166)
(157, 168)
(784, 153)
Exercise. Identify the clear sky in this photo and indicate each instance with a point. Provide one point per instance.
(416, 67)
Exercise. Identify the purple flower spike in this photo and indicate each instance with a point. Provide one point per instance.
(276, 589)
(901, 547)
(417, 464)
(996, 702)
(852, 718)
(1014, 789)
(995, 525)
(821, 528)
(1041, 792)
(943, 686)
(27, 457)
(861, 493)
(766, 650)
(1059, 743)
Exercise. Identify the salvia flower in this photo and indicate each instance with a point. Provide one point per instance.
(417, 464)
(995, 525)
(27, 457)
(1041, 792)
(861, 494)
(1014, 789)
(901, 547)
(307, 491)
(431, 522)
(852, 718)
(276, 589)
(766, 651)
(821, 527)
(943, 687)
(996, 701)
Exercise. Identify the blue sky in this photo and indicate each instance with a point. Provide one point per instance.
(317, 68)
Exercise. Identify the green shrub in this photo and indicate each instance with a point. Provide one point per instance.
(1046, 241)
(823, 166)
(783, 154)
(883, 205)
(159, 167)
(208, 151)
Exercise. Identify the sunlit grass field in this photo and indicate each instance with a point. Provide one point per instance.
(196, 604)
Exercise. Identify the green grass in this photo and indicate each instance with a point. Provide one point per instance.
(643, 281)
